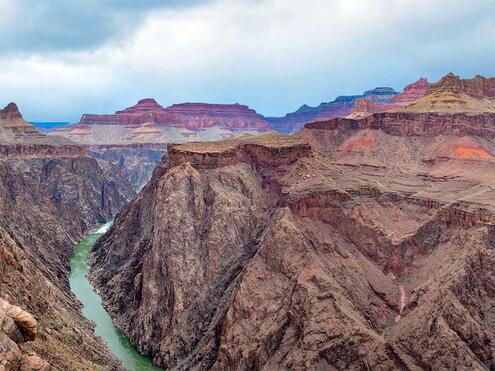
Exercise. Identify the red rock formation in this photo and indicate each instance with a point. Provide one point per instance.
(455, 95)
(478, 87)
(372, 250)
(187, 115)
(144, 105)
(231, 116)
(411, 93)
(415, 124)
(365, 107)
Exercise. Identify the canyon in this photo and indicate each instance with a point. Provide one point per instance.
(358, 243)
(363, 241)
(139, 134)
(134, 139)
(51, 194)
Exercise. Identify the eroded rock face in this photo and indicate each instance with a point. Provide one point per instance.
(478, 87)
(455, 95)
(134, 162)
(186, 115)
(374, 249)
(51, 194)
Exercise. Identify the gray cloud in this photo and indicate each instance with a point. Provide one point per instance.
(273, 55)
(36, 26)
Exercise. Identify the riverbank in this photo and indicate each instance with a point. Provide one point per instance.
(93, 309)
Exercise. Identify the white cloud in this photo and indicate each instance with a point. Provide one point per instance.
(272, 54)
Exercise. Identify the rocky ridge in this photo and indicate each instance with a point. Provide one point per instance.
(358, 243)
(455, 95)
(411, 93)
(342, 106)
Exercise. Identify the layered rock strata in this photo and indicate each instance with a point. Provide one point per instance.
(186, 115)
(411, 93)
(51, 194)
(356, 244)
(342, 106)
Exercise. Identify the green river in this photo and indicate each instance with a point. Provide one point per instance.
(93, 308)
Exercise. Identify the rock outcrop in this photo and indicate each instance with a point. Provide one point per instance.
(455, 95)
(356, 244)
(411, 93)
(16, 327)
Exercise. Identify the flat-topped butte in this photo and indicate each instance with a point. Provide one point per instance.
(269, 149)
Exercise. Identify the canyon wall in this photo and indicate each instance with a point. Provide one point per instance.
(356, 244)
(51, 194)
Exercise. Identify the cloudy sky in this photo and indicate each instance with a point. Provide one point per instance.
(61, 58)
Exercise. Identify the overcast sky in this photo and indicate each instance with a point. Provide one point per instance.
(62, 58)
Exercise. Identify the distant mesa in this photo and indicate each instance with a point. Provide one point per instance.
(187, 115)
(19, 137)
(149, 122)
(340, 107)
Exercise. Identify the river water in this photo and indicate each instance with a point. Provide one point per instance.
(93, 308)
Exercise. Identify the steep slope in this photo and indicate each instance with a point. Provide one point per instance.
(455, 95)
(51, 193)
(371, 248)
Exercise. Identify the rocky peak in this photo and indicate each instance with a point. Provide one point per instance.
(11, 111)
(420, 84)
(144, 105)
(477, 87)
(412, 92)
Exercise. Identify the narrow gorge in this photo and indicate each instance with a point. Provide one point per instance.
(359, 242)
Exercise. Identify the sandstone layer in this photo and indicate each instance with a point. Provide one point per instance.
(357, 244)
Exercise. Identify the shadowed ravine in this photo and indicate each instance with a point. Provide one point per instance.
(93, 308)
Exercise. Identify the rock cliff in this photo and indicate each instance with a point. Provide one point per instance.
(51, 194)
(192, 116)
(357, 244)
